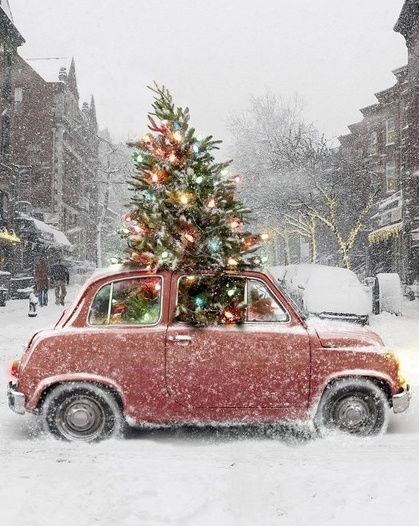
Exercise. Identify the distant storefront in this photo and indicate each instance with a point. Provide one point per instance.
(8, 243)
(39, 239)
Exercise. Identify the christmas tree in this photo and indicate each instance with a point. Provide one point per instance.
(183, 214)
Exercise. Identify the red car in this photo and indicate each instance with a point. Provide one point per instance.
(133, 348)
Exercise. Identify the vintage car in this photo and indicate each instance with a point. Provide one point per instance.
(133, 347)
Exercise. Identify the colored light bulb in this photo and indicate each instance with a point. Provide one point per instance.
(183, 198)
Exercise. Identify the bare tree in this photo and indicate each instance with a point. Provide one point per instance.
(115, 169)
(305, 226)
(296, 182)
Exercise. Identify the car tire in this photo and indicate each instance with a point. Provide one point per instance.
(77, 411)
(353, 406)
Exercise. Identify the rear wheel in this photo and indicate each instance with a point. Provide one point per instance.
(355, 406)
(81, 412)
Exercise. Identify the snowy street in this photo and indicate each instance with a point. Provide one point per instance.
(208, 476)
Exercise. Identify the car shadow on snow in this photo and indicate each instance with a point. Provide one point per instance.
(291, 435)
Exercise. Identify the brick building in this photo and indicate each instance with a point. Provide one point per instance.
(48, 158)
(58, 140)
(388, 140)
(10, 40)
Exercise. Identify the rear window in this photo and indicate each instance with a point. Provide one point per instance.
(135, 301)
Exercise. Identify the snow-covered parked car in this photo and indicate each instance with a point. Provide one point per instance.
(326, 292)
(125, 351)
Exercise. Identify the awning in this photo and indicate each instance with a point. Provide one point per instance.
(48, 234)
(9, 236)
(385, 233)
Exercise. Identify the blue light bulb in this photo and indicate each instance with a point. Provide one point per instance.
(200, 302)
(214, 245)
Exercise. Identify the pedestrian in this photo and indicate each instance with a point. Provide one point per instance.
(33, 302)
(42, 281)
(60, 277)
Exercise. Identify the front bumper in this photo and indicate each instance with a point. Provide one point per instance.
(401, 400)
(16, 399)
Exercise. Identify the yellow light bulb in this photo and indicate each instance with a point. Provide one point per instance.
(264, 236)
(232, 262)
(177, 136)
(183, 198)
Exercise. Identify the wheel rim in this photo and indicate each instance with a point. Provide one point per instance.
(80, 418)
(353, 414)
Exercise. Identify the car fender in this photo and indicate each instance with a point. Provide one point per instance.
(46, 383)
(349, 373)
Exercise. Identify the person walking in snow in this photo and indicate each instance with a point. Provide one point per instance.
(60, 277)
(41, 281)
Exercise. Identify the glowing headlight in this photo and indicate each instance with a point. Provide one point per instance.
(400, 369)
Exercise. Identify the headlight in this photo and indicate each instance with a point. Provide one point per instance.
(400, 370)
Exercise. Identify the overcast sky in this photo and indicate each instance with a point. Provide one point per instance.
(214, 54)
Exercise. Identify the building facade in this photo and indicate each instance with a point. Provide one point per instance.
(387, 139)
(58, 140)
(48, 159)
(10, 40)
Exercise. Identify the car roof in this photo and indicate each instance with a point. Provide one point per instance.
(122, 270)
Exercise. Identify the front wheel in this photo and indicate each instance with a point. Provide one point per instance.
(81, 412)
(355, 406)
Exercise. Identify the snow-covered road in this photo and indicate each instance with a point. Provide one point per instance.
(209, 476)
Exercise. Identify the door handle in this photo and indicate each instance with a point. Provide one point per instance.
(180, 338)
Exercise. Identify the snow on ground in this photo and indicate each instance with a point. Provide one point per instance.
(227, 476)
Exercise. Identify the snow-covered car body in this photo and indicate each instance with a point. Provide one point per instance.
(165, 371)
(326, 292)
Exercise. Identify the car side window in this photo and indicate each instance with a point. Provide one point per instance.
(261, 304)
(210, 300)
(99, 311)
(135, 301)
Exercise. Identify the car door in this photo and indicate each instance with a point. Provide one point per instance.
(125, 339)
(262, 361)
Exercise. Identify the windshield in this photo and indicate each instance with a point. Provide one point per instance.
(289, 298)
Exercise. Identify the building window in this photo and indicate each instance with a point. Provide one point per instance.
(5, 135)
(390, 176)
(18, 100)
(373, 143)
(390, 131)
(2, 206)
(405, 116)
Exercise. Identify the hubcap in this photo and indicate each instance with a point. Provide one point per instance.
(352, 413)
(80, 418)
